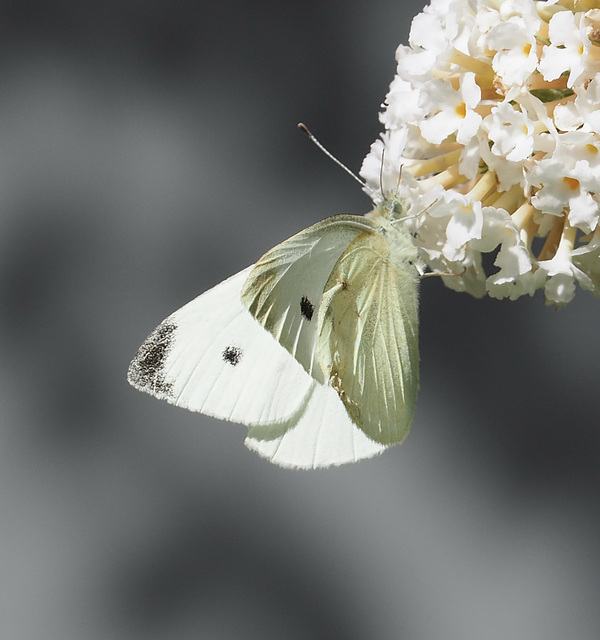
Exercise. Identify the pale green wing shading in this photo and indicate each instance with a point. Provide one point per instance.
(368, 344)
(285, 288)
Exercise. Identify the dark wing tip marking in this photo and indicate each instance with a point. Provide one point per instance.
(307, 308)
(146, 370)
(232, 355)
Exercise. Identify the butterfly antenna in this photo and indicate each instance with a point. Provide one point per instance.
(381, 174)
(399, 179)
(381, 171)
(312, 138)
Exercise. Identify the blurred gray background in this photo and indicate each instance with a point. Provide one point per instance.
(147, 151)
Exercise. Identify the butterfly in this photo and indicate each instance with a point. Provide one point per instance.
(314, 348)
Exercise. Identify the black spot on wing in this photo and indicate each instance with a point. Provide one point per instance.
(232, 355)
(307, 308)
(146, 371)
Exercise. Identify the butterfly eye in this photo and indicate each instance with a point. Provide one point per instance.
(307, 308)
(232, 355)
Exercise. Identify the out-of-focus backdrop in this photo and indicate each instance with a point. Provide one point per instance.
(147, 151)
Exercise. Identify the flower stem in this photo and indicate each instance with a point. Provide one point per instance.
(508, 200)
(448, 178)
(435, 164)
(479, 67)
(523, 214)
(553, 240)
(483, 186)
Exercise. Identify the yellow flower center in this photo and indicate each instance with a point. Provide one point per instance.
(572, 183)
(461, 110)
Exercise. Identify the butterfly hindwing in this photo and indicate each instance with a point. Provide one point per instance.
(368, 341)
(285, 288)
(323, 435)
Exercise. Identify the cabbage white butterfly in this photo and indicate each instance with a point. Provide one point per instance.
(314, 348)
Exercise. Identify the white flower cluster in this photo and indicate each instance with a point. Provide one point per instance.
(493, 120)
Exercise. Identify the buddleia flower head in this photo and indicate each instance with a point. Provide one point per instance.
(493, 121)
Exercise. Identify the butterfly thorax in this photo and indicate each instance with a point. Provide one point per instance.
(399, 240)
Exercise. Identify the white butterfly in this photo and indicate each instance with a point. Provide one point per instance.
(314, 348)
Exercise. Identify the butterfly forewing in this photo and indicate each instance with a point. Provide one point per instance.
(285, 288)
(212, 356)
(368, 342)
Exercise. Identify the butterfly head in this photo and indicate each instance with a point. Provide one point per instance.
(394, 206)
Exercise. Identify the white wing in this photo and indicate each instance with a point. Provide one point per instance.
(323, 435)
(212, 356)
(285, 288)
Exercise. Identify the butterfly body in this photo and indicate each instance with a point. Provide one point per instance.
(314, 348)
